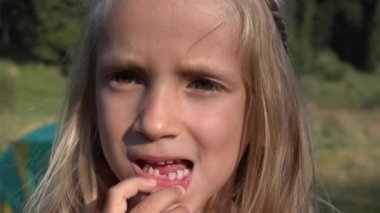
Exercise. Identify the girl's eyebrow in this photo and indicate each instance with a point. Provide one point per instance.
(207, 70)
(118, 62)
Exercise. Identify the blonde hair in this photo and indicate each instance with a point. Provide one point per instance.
(275, 171)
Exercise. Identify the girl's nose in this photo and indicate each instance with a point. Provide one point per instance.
(157, 117)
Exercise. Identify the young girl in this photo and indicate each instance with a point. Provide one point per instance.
(180, 106)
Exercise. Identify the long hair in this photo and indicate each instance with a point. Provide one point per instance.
(275, 170)
(71, 181)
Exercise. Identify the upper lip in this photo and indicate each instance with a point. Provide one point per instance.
(157, 158)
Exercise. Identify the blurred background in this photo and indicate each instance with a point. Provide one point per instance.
(335, 48)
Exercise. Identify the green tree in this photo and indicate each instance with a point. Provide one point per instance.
(16, 25)
(57, 29)
(374, 43)
(301, 24)
(46, 30)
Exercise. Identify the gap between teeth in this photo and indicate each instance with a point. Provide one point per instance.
(178, 175)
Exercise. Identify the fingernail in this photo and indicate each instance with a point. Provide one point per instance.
(188, 208)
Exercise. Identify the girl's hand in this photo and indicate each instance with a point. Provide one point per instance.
(157, 202)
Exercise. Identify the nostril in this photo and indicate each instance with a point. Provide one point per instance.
(154, 130)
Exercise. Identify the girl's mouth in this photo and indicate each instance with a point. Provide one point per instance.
(166, 172)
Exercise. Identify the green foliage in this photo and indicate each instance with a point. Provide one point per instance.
(307, 12)
(374, 43)
(328, 67)
(336, 83)
(301, 25)
(57, 29)
(351, 11)
(46, 30)
(335, 48)
(348, 28)
(302, 55)
(323, 23)
(332, 135)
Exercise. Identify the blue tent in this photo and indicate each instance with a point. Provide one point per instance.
(22, 164)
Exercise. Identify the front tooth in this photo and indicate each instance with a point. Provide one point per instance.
(146, 168)
(171, 176)
(161, 163)
(186, 172)
(150, 171)
(169, 161)
(179, 174)
(156, 172)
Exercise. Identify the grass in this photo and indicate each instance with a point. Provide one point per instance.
(346, 138)
(347, 156)
(344, 107)
(38, 91)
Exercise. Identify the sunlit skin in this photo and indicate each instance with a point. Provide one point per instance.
(169, 85)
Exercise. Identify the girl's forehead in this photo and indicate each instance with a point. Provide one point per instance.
(179, 16)
(176, 7)
(191, 26)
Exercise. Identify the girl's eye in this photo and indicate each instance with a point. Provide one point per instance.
(127, 77)
(204, 84)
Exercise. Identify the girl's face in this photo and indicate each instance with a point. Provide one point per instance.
(170, 95)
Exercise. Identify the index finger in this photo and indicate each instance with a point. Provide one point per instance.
(118, 195)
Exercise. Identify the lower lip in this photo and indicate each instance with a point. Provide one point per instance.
(184, 182)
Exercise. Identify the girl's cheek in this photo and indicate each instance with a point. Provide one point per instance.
(116, 113)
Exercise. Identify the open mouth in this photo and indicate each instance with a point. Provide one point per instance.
(165, 172)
